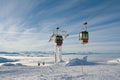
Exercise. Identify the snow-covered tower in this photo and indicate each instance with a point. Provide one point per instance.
(58, 36)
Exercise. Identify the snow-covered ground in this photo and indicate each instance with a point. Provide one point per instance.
(26, 68)
(115, 61)
(28, 61)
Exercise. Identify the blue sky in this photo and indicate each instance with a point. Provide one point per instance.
(26, 25)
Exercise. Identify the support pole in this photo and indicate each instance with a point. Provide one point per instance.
(60, 53)
(56, 55)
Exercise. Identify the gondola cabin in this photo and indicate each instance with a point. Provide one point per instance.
(59, 40)
(84, 37)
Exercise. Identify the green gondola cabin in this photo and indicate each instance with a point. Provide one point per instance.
(59, 40)
(84, 37)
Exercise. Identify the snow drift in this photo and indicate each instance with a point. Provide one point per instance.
(2, 60)
(115, 61)
(77, 61)
(10, 64)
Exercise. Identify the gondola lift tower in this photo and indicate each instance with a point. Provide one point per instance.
(58, 36)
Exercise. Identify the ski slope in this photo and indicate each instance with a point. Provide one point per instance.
(60, 72)
(28, 70)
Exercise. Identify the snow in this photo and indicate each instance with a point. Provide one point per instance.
(27, 61)
(74, 62)
(6, 60)
(60, 72)
(9, 64)
(77, 62)
(26, 68)
(115, 61)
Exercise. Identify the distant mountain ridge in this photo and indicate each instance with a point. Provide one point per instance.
(80, 53)
(47, 53)
(9, 53)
